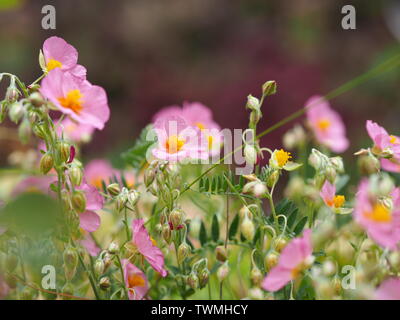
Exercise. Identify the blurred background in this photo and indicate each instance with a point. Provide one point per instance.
(151, 54)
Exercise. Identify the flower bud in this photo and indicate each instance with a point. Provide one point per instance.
(250, 154)
(16, 112)
(204, 275)
(64, 151)
(193, 281)
(78, 201)
(183, 251)
(223, 271)
(330, 174)
(176, 218)
(46, 163)
(113, 189)
(368, 165)
(259, 189)
(271, 260)
(12, 93)
(221, 253)
(256, 294)
(280, 244)
(149, 176)
(245, 212)
(256, 276)
(75, 175)
(36, 99)
(253, 103)
(99, 267)
(337, 163)
(132, 198)
(121, 201)
(166, 233)
(70, 257)
(24, 131)
(107, 259)
(247, 229)
(316, 160)
(273, 178)
(394, 260)
(39, 131)
(328, 268)
(104, 283)
(269, 88)
(113, 248)
(32, 117)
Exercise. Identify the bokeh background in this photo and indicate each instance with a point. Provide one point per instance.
(151, 54)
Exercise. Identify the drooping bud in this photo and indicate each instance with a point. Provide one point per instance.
(253, 103)
(204, 275)
(193, 281)
(70, 257)
(16, 112)
(247, 228)
(256, 276)
(221, 253)
(12, 93)
(176, 218)
(36, 99)
(149, 176)
(64, 151)
(280, 244)
(99, 267)
(105, 283)
(113, 189)
(75, 175)
(113, 248)
(78, 201)
(223, 271)
(166, 233)
(271, 260)
(183, 251)
(250, 154)
(46, 163)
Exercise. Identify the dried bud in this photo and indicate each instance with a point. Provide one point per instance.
(271, 260)
(221, 253)
(223, 271)
(247, 228)
(78, 201)
(183, 251)
(46, 163)
(176, 218)
(104, 283)
(193, 281)
(75, 175)
(113, 248)
(113, 189)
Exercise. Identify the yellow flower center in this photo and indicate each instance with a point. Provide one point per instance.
(96, 182)
(200, 125)
(337, 201)
(154, 242)
(379, 213)
(52, 64)
(210, 142)
(282, 157)
(135, 280)
(393, 139)
(174, 144)
(72, 101)
(323, 124)
(297, 270)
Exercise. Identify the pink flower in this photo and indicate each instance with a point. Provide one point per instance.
(135, 281)
(389, 290)
(146, 247)
(383, 142)
(381, 223)
(98, 170)
(76, 132)
(82, 101)
(37, 184)
(295, 257)
(58, 54)
(90, 220)
(326, 124)
(178, 141)
(328, 194)
(90, 246)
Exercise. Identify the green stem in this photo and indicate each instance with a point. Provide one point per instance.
(123, 277)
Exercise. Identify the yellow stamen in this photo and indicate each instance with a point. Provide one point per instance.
(210, 142)
(282, 157)
(338, 201)
(52, 64)
(379, 213)
(200, 125)
(323, 124)
(154, 242)
(393, 139)
(297, 270)
(72, 101)
(174, 144)
(96, 182)
(135, 280)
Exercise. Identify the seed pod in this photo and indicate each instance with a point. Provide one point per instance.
(113, 189)
(79, 201)
(46, 163)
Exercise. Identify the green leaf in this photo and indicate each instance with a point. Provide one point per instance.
(136, 156)
(203, 234)
(215, 228)
(300, 226)
(233, 229)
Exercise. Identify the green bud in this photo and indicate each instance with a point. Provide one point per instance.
(78, 201)
(166, 233)
(46, 163)
(223, 271)
(99, 267)
(36, 99)
(221, 253)
(64, 150)
(113, 189)
(204, 275)
(176, 218)
(132, 198)
(149, 176)
(273, 178)
(253, 103)
(75, 175)
(183, 251)
(247, 228)
(16, 112)
(113, 248)
(105, 283)
(269, 88)
(250, 154)
(39, 131)
(70, 257)
(271, 260)
(256, 276)
(193, 281)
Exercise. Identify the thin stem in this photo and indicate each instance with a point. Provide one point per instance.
(123, 276)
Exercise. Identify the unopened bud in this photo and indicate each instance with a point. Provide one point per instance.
(330, 174)
(273, 178)
(78, 201)
(166, 233)
(16, 112)
(223, 271)
(64, 151)
(253, 103)
(113, 248)
(280, 244)
(113, 189)
(176, 218)
(149, 176)
(70, 257)
(12, 94)
(256, 294)
(247, 229)
(259, 189)
(328, 268)
(337, 163)
(132, 198)
(183, 251)
(39, 131)
(221, 253)
(250, 154)
(36, 99)
(204, 275)
(394, 260)
(256, 276)
(104, 283)
(99, 266)
(46, 163)
(368, 164)
(271, 260)
(75, 175)
(193, 281)
(107, 259)
(269, 88)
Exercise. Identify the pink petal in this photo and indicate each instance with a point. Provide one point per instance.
(276, 279)
(89, 221)
(58, 49)
(90, 246)
(389, 290)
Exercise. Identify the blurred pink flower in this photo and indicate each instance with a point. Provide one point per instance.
(76, 132)
(388, 290)
(146, 247)
(381, 223)
(37, 184)
(326, 124)
(295, 257)
(328, 194)
(177, 140)
(59, 54)
(82, 101)
(90, 220)
(98, 170)
(385, 142)
(135, 281)
(90, 246)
